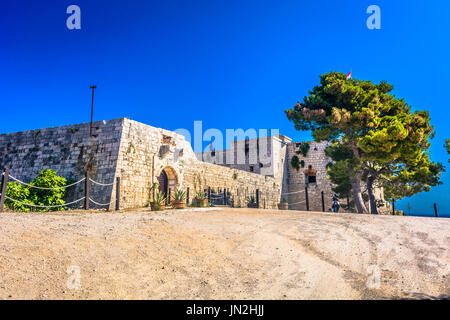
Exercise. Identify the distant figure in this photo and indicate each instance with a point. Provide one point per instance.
(336, 205)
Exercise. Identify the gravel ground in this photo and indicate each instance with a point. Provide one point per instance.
(223, 254)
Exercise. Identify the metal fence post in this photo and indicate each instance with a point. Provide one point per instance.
(307, 199)
(86, 191)
(435, 210)
(187, 196)
(3, 188)
(393, 207)
(224, 196)
(118, 193)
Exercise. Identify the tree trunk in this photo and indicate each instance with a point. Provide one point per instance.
(373, 202)
(356, 182)
(357, 194)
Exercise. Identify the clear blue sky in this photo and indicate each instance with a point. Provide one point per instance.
(232, 64)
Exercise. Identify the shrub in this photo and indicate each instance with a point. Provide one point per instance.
(20, 193)
(48, 179)
(45, 179)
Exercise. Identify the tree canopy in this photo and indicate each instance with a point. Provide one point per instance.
(447, 146)
(377, 139)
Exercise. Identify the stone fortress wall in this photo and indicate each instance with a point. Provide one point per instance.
(133, 151)
(295, 180)
(276, 163)
(69, 151)
(139, 154)
(146, 151)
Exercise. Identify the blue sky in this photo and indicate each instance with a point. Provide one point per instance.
(231, 64)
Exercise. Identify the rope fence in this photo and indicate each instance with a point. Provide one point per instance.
(426, 210)
(289, 193)
(292, 204)
(44, 207)
(43, 188)
(101, 184)
(101, 204)
(225, 195)
(86, 198)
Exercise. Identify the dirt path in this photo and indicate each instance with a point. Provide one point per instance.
(223, 254)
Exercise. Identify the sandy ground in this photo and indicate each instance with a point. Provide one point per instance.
(223, 254)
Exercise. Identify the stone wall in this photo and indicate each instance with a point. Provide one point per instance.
(295, 180)
(133, 151)
(138, 153)
(69, 151)
(146, 151)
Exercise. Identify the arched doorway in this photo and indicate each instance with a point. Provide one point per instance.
(163, 181)
(168, 181)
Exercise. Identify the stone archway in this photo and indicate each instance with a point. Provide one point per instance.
(168, 181)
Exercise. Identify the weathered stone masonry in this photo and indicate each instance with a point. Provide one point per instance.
(69, 150)
(295, 180)
(136, 152)
(146, 151)
(140, 154)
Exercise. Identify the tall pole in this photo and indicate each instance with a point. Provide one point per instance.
(92, 110)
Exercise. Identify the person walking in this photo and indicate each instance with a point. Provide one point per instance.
(336, 205)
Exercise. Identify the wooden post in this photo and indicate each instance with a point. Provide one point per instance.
(86, 191)
(393, 207)
(3, 188)
(118, 193)
(257, 198)
(209, 195)
(224, 196)
(323, 202)
(307, 199)
(170, 196)
(348, 203)
(187, 196)
(435, 210)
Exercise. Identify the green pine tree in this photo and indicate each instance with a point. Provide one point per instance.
(385, 143)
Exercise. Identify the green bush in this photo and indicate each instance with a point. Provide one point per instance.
(46, 179)
(19, 192)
